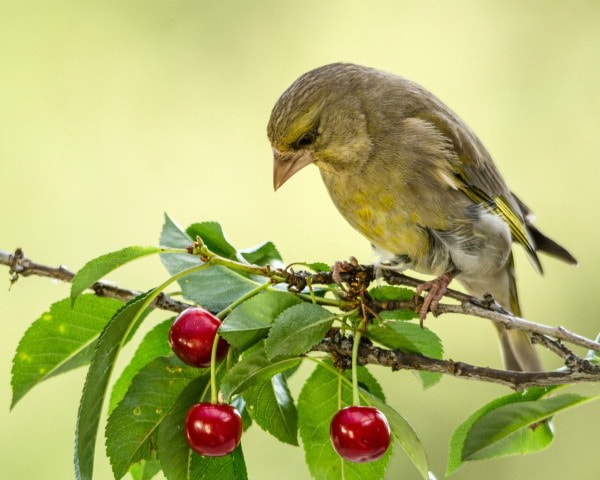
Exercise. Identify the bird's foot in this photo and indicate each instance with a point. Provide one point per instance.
(340, 267)
(436, 289)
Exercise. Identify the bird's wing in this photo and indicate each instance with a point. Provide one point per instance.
(477, 177)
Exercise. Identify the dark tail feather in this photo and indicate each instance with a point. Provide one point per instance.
(542, 242)
(550, 247)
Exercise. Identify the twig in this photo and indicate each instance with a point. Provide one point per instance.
(495, 313)
(485, 308)
(510, 321)
(20, 265)
(341, 346)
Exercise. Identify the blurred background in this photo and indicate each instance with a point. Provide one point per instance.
(112, 113)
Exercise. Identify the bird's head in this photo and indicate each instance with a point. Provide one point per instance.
(319, 119)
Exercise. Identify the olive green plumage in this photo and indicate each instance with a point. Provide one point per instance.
(409, 174)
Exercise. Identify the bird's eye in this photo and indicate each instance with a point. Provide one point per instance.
(306, 139)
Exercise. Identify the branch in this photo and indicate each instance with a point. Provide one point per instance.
(494, 312)
(490, 310)
(20, 266)
(357, 278)
(341, 346)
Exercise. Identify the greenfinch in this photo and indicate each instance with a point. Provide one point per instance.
(408, 174)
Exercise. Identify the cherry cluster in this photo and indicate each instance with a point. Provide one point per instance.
(358, 433)
(211, 429)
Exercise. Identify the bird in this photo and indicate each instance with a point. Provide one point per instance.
(408, 174)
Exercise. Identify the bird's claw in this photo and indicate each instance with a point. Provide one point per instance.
(340, 267)
(436, 289)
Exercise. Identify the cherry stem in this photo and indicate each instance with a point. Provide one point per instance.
(229, 359)
(226, 311)
(339, 392)
(323, 362)
(355, 345)
(214, 394)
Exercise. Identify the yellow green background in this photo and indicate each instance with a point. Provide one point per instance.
(112, 113)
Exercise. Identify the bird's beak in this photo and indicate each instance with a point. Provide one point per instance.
(285, 164)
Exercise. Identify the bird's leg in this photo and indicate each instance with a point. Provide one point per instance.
(436, 289)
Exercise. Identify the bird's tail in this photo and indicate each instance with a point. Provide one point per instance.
(517, 351)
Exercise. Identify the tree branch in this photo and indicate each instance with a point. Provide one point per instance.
(357, 278)
(19, 265)
(341, 346)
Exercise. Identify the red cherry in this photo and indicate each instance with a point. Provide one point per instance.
(360, 434)
(192, 335)
(212, 429)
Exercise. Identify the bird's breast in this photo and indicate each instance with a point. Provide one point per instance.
(383, 216)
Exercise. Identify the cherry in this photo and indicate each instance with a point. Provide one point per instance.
(213, 429)
(360, 434)
(192, 335)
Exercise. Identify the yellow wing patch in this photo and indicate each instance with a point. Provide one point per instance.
(517, 227)
(500, 206)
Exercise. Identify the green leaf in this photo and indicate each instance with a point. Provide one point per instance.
(401, 315)
(253, 369)
(229, 467)
(154, 344)
(90, 407)
(406, 336)
(251, 321)
(97, 268)
(410, 338)
(213, 237)
(515, 428)
(402, 432)
(214, 288)
(271, 406)
(520, 442)
(428, 379)
(240, 404)
(145, 469)
(132, 426)
(457, 442)
(173, 451)
(318, 267)
(173, 236)
(386, 293)
(317, 403)
(60, 340)
(297, 329)
(263, 254)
